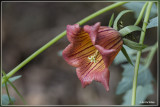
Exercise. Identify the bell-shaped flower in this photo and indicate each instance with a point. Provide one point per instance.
(91, 50)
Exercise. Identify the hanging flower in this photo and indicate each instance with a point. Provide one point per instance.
(91, 50)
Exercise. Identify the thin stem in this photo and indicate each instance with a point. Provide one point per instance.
(19, 94)
(151, 54)
(141, 14)
(43, 48)
(7, 91)
(7, 80)
(139, 53)
(111, 20)
(100, 12)
(147, 49)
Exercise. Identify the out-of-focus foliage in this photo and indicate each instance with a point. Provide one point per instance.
(137, 6)
(153, 22)
(5, 99)
(12, 79)
(141, 94)
(120, 58)
(144, 77)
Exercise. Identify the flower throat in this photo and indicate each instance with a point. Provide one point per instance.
(93, 57)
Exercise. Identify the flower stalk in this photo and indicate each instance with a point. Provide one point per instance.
(43, 48)
(139, 52)
(141, 14)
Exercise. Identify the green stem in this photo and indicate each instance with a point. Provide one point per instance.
(141, 14)
(7, 80)
(151, 54)
(19, 94)
(8, 92)
(43, 48)
(139, 53)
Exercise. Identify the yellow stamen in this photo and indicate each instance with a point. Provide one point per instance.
(93, 58)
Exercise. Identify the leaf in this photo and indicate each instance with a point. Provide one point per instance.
(19, 94)
(133, 45)
(137, 6)
(12, 79)
(153, 23)
(118, 17)
(126, 55)
(8, 93)
(5, 99)
(120, 58)
(144, 77)
(59, 53)
(141, 94)
(111, 20)
(128, 29)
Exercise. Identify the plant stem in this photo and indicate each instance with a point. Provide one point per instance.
(7, 80)
(8, 93)
(43, 48)
(141, 14)
(139, 53)
(151, 54)
(100, 12)
(19, 94)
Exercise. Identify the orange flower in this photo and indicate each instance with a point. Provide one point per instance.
(91, 50)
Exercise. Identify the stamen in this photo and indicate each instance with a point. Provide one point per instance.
(93, 58)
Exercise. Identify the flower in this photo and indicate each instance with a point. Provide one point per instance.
(91, 50)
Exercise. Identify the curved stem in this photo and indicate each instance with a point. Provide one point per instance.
(43, 48)
(139, 53)
(141, 14)
(7, 91)
(151, 54)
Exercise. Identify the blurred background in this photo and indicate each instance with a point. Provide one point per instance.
(48, 79)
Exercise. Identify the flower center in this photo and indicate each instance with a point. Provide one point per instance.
(93, 57)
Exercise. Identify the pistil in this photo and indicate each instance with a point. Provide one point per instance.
(93, 57)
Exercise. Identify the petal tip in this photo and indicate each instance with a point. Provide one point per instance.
(98, 24)
(73, 29)
(107, 89)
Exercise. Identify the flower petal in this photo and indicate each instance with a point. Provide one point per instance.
(106, 37)
(93, 31)
(80, 48)
(89, 71)
(85, 43)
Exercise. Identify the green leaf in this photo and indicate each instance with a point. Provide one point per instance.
(111, 20)
(144, 77)
(118, 17)
(128, 29)
(133, 45)
(12, 79)
(5, 99)
(10, 100)
(19, 94)
(59, 53)
(120, 58)
(153, 23)
(137, 6)
(126, 55)
(141, 94)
